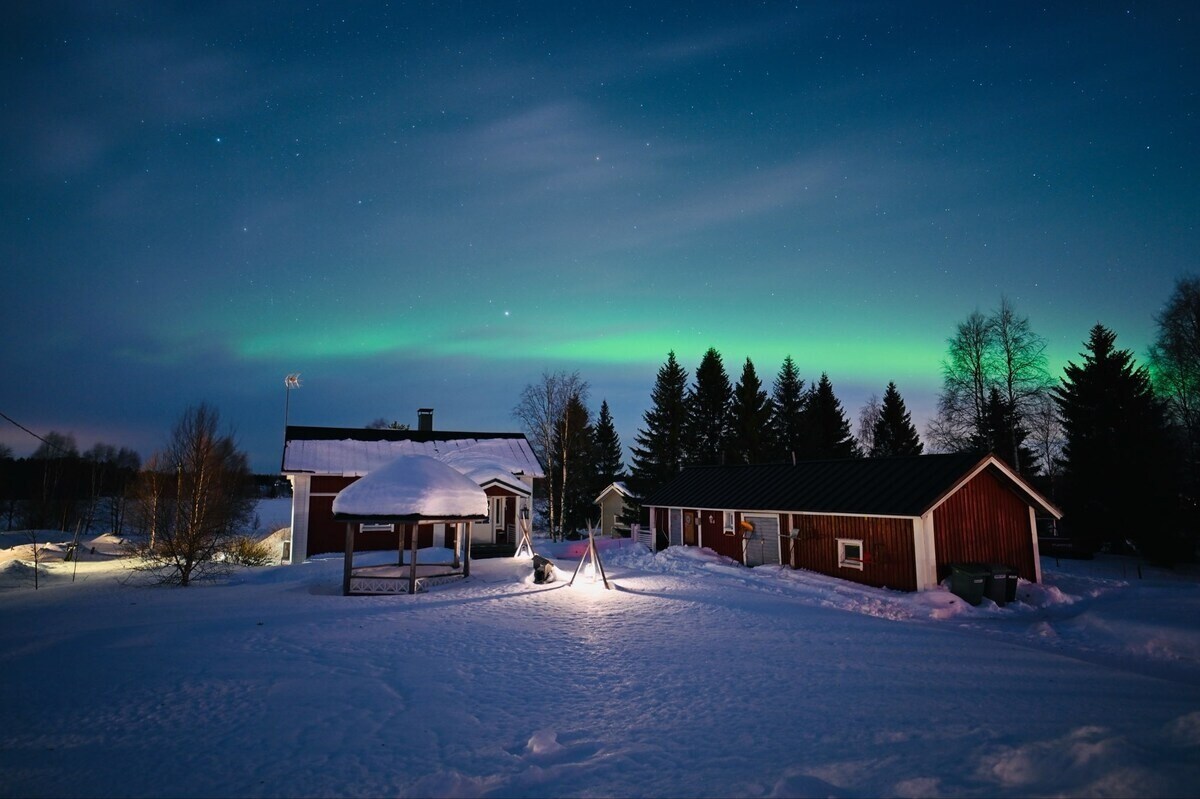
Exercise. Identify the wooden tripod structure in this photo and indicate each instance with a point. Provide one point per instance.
(525, 545)
(591, 555)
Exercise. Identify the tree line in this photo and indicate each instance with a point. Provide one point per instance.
(59, 488)
(710, 421)
(1114, 443)
(186, 510)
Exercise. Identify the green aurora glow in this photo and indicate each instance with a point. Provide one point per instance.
(415, 208)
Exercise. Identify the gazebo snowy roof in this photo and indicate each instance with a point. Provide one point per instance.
(412, 488)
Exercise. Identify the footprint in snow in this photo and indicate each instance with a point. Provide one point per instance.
(544, 748)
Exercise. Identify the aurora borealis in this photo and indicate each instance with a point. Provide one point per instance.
(428, 204)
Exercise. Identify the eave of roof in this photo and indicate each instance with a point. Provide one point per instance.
(617, 487)
(515, 486)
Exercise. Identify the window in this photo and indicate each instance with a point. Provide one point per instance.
(377, 528)
(728, 522)
(850, 553)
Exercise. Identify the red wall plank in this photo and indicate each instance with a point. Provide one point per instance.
(326, 535)
(328, 484)
(712, 535)
(984, 522)
(887, 548)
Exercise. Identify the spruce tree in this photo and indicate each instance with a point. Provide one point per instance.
(658, 446)
(787, 422)
(708, 405)
(607, 444)
(827, 428)
(1003, 435)
(1118, 477)
(573, 465)
(750, 419)
(894, 430)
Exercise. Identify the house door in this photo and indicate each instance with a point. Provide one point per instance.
(499, 515)
(689, 528)
(761, 544)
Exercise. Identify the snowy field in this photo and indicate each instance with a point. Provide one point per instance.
(694, 677)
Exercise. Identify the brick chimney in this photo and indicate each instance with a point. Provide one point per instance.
(424, 420)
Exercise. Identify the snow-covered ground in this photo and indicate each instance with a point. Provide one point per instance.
(694, 677)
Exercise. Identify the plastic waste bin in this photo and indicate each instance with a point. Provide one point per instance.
(1001, 585)
(968, 581)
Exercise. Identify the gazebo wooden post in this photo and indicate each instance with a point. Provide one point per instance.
(348, 567)
(456, 527)
(466, 536)
(412, 566)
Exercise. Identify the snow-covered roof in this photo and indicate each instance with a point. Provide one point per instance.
(353, 452)
(485, 469)
(619, 487)
(412, 488)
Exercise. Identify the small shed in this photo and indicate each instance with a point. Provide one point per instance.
(888, 522)
(410, 491)
(614, 502)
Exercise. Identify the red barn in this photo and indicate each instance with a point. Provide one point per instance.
(887, 522)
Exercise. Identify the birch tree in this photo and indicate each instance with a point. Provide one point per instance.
(540, 411)
(962, 402)
(1019, 363)
(868, 419)
(992, 362)
(211, 501)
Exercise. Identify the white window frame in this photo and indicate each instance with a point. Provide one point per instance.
(377, 528)
(846, 562)
(728, 522)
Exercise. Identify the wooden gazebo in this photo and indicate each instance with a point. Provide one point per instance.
(410, 491)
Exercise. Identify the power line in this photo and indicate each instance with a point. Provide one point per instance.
(50, 444)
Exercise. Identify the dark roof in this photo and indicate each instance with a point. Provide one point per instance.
(906, 486)
(357, 451)
(303, 433)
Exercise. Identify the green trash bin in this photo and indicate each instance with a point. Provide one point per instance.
(1001, 584)
(968, 581)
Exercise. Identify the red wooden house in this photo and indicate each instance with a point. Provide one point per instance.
(321, 461)
(887, 522)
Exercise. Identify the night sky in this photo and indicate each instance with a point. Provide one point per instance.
(428, 204)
